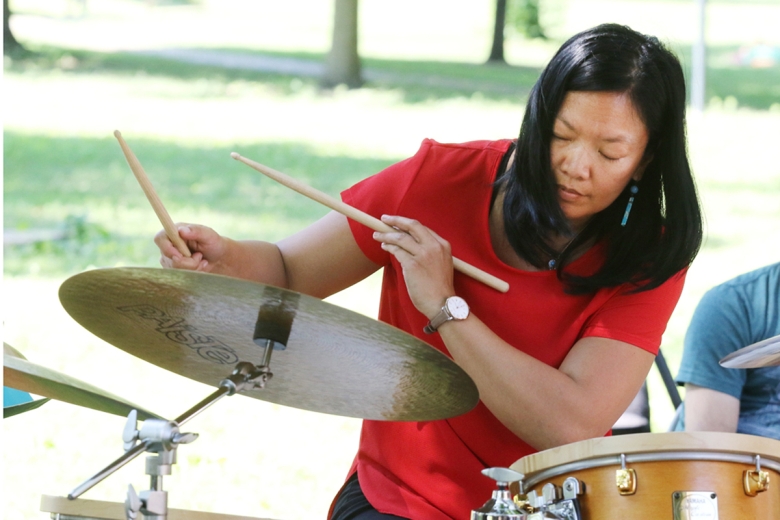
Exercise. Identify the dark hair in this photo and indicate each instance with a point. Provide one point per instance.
(664, 231)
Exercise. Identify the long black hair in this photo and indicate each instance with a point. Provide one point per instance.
(664, 231)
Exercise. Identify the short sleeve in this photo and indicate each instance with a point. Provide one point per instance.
(637, 318)
(719, 326)
(382, 194)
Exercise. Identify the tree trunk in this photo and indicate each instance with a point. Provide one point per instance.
(10, 45)
(497, 51)
(343, 63)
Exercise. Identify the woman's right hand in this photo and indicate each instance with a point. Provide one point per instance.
(206, 246)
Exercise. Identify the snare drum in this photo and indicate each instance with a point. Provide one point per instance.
(659, 476)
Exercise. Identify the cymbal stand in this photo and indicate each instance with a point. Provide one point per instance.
(162, 438)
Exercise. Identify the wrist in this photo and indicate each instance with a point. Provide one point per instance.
(454, 308)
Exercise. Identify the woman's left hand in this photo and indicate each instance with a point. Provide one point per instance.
(426, 260)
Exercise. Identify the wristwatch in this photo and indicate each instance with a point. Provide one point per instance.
(454, 308)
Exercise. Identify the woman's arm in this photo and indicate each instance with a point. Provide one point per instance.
(320, 260)
(544, 406)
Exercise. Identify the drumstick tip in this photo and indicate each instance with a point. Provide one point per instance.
(117, 134)
(234, 155)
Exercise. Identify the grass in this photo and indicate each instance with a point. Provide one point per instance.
(63, 169)
(85, 185)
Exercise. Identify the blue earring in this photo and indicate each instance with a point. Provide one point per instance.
(634, 189)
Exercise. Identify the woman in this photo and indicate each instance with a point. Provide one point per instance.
(592, 219)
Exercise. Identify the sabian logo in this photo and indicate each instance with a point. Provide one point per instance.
(178, 330)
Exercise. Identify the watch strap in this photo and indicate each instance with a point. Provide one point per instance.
(438, 320)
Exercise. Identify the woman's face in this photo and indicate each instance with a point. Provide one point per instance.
(597, 148)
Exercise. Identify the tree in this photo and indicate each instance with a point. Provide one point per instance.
(10, 45)
(497, 50)
(523, 16)
(343, 63)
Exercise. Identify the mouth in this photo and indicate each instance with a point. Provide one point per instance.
(568, 192)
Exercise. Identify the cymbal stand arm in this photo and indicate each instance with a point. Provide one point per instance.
(164, 435)
(108, 470)
(245, 375)
(218, 394)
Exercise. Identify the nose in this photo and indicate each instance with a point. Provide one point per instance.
(576, 162)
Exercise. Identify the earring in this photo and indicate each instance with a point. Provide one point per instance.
(634, 189)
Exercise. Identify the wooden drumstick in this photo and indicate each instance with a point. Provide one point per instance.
(364, 218)
(157, 205)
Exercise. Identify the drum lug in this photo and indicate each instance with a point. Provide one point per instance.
(754, 482)
(550, 504)
(625, 479)
(572, 488)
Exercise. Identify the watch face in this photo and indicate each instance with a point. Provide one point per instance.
(458, 307)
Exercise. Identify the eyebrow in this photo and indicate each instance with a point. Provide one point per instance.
(616, 139)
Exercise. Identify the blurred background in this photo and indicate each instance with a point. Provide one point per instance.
(188, 82)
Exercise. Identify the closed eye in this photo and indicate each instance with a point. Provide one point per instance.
(609, 158)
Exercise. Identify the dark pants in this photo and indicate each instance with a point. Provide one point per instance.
(352, 504)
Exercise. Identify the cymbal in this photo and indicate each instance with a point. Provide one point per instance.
(325, 359)
(16, 409)
(8, 349)
(762, 354)
(23, 375)
(23, 402)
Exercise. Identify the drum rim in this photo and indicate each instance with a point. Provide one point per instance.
(645, 447)
(659, 456)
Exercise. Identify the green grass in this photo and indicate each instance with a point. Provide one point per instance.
(416, 81)
(85, 185)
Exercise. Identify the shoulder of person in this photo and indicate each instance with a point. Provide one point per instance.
(500, 145)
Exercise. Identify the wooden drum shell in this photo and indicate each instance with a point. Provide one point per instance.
(664, 463)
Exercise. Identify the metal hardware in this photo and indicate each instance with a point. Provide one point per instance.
(572, 488)
(695, 505)
(551, 505)
(754, 482)
(635, 458)
(501, 506)
(625, 479)
(162, 438)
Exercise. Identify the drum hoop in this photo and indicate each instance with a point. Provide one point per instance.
(615, 460)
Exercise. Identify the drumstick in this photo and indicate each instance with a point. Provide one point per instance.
(157, 205)
(363, 218)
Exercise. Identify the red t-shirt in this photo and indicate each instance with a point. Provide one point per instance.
(431, 470)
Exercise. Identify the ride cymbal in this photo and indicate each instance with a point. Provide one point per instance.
(23, 375)
(325, 358)
(762, 354)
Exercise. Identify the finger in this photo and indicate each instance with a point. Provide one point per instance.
(165, 245)
(183, 262)
(402, 255)
(409, 226)
(400, 239)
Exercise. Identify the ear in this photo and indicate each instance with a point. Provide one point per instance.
(640, 170)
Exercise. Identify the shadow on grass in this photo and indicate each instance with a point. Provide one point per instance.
(85, 186)
(416, 81)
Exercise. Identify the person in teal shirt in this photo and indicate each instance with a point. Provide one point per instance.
(731, 316)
